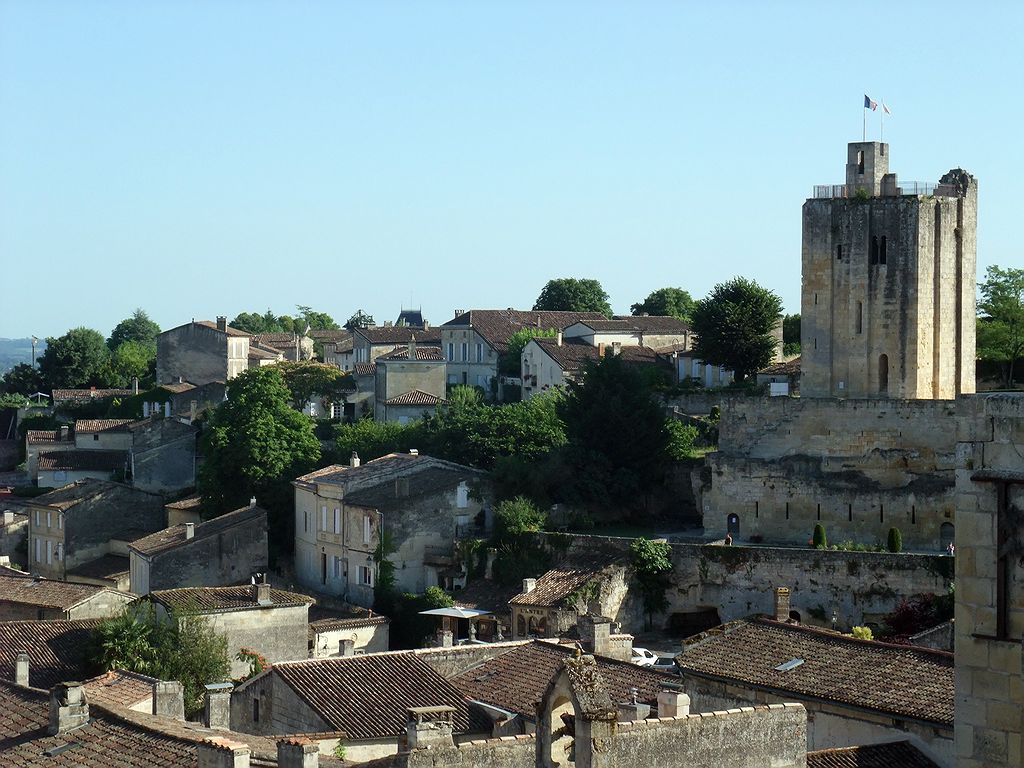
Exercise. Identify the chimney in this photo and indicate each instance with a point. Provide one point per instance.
(68, 708)
(263, 591)
(600, 349)
(673, 703)
(8, 519)
(217, 711)
(782, 603)
(222, 323)
(181, 380)
(169, 699)
(64, 432)
(346, 647)
(426, 325)
(190, 530)
(616, 348)
(218, 752)
(443, 638)
(412, 347)
(429, 727)
(595, 634)
(298, 752)
(414, 452)
(135, 385)
(558, 338)
(631, 711)
(252, 502)
(21, 669)
(167, 409)
(353, 460)
(528, 585)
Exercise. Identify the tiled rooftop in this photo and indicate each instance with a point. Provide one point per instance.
(88, 426)
(422, 353)
(219, 599)
(416, 397)
(211, 324)
(517, 678)
(175, 536)
(900, 680)
(898, 754)
(788, 368)
(88, 394)
(82, 461)
(364, 369)
(367, 696)
(119, 688)
(56, 649)
(46, 436)
(571, 354)
(395, 334)
(107, 566)
(65, 497)
(559, 582)
(496, 326)
(45, 593)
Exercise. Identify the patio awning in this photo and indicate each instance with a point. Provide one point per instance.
(456, 613)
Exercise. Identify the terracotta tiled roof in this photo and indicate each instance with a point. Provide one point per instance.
(219, 599)
(46, 593)
(900, 680)
(364, 369)
(191, 502)
(518, 678)
(398, 334)
(416, 397)
(43, 436)
(56, 649)
(105, 567)
(371, 472)
(899, 754)
(367, 696)
(258, 353)
(82, 461)
(175, 536)
(571, 354)
(788, 368)
(89, 394)
(211, 324)
(119, 688)
(425, 480)
(655, 324)
(66, 497)
(87, 426)
(496, 326)
(275, 339)
(177, 387)
(561, 581)
(422, 353)
(330, 335)
(486, 595)
(333, 625)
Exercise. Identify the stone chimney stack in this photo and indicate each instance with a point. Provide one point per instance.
(21, 669)
(218, 752)
(68, 708)
(169, 699)
(263, 591)
(190, 530)
(529, 585)
(633, 710)
(64, 432)
(429, 727)
(782, 603)
(595, 634)
(412, 347)
(353, 460)
(298, 752)
(252, 501)
(135, 385)
(222, 323)
(558, 338)
(346, 647)
(673, 703)
(217, 712)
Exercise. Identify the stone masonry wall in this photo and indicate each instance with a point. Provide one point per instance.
(858, 467)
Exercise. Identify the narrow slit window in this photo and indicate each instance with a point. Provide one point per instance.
(873, 257)
(881, 250)
(860, 317)
(849, 512)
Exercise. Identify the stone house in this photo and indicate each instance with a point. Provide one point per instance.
(688, 367)
(188, 400)
(200, 352)
(363, 699)
(336, 348)
(548, 363)
(422, 505)
(408, 381)
(855, 691)
(292, 346)
(39, 441)
(162, 455)
(27, 597)
(332, 637)
(474, 341)
(223, 551)
(370, 343)
(785, 373)
(73, 398)
(58, 468)
(269, 621)
(186, 510)
(13, 535)
(652, 331)
(86, 520)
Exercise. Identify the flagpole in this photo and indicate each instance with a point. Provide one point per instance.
(881, 122)
(864, 131)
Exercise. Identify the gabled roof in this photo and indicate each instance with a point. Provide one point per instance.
(118, 688)
(496, 326)
(422, 353)
(656, 324)
(486, 595)
(367, 696)
(177, 387)
(263, 353)
(189, 502)
(563, 580)
(517, 678)
(275, 339)
(107, 566)
(416, 397)
(364, 369)
(788, 368)
(67, 496)
(425, 473)
(82, 461)
(897, 754)
(88, 426)
(221, 599)
(56, 649)
(571, 354)
(212, 325)
(426, 481)
(47, 436)
(901, 680)
(44, 593)
(176, 535)
(335, 625)
(330, 335)
(398, 334)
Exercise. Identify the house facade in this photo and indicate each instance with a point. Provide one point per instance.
(549, 363)
(408, 381)
(200, 352)
(421, 504)
(370, 343)
(29, 598)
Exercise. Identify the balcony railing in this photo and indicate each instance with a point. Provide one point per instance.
(912, 188)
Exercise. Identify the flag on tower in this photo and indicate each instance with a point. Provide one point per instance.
(869, 104)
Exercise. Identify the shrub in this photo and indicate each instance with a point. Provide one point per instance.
(863, 633)
(895, 541)
(819, 539)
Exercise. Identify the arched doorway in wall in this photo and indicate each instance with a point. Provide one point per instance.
(732, 523)
(883, 374)
(946, 535)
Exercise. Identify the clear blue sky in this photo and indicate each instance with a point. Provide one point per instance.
(204, 158)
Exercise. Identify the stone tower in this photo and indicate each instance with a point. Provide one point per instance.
(888, 283)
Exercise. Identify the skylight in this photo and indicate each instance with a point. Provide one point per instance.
(791, 664)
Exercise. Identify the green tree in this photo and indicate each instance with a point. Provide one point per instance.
(673, 302)
(317, 321)
(308, 378)
(519, 553)
(408, 628)
(79, 358)
(734, 326)
(359, 320)
(255, 445)
(617, 438)
(22, 379)
(134, 359)
(791, 334)
(570, 294)
(894, 542)
(652, 566)
(138, 328)
(254, 322)
(681, 439)
(371, 439)
(818, 538)
(1001, 318)
(510, 363)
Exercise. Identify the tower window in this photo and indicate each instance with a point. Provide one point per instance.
(883, 374)
(860, 317)
(860, 161)
(839, 252)
(881, 251)
(874, 250)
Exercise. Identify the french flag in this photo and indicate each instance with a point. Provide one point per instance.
(869, 104)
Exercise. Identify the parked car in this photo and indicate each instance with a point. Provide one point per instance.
(665, 664)
(643, 657)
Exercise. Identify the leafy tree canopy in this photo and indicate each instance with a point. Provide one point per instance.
(268, 322)
(22, 379)
(134, 359)
(570, 294)
(138, 328)
(674, 302)
(511, 361)
(79, 358)
(308, 378)
(359, 320)
(734, 325)
(371, 439)
(1001, 321)
(791, 334)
